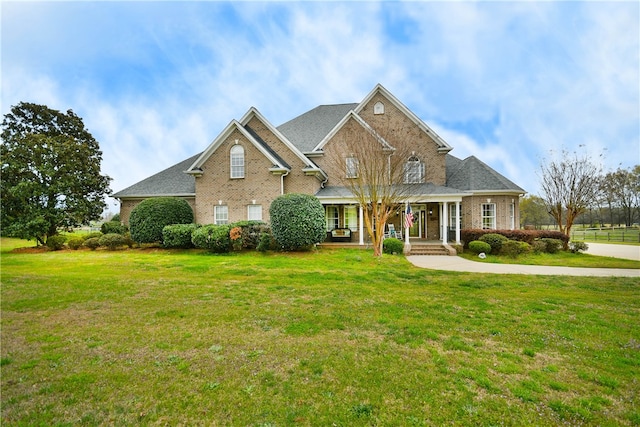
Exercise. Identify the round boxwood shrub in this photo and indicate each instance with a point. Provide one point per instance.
(494, 240)
(478, 246)
(92, 243)
(297, 221)
(214, 238)
(513, 248)
(75, 243)
(112, 241)
(150, 216)
(55, 243)
(392, 246)
(178, 235)
(552, 245)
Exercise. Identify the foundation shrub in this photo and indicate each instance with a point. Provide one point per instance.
(297, 221)
(513, 248)
(178, 235)
(495, 241)
(392, 246)
(478, 246)
(251, 232)
(149, 218)
(214, 238)
(538, 247)
(468, 235)
(112, 241)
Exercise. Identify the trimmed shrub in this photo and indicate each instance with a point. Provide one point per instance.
(116, 218)
(113, 227)
(392, 246)
(297, 221)
(495, 240)
(92, 243)
(577, 247)
(468, 235)
(513, 248)
(150, 216)
(478, 246)
(250, 232)
(75, 243)
(178, 235)
(267, 242)
(97, 234)
(214, 238)
(55, 243)
(538, 247)
(552, 245)
(112, 241)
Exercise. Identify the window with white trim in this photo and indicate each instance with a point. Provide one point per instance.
(452, 216)
(489, 216)
(333, 220)
(237, 161)
(221, 214)
(254, 212)
(352, 167)
(512, 215)
(413, 171)
(351, 217)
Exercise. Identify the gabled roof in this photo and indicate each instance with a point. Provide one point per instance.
(471, 174)
(351, 115)
(278, 163)
(307, 130)
(310, 166)
(169, 182)
(379, 89)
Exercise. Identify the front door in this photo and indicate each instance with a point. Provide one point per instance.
(418, 221)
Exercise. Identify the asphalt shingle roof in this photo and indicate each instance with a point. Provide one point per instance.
(169, 182)
(307, 130)
(471, 174)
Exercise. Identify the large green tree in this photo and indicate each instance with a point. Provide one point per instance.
(51, 178)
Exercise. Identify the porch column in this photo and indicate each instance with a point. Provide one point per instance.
(360, 225)
(445, 227)
(457, 223)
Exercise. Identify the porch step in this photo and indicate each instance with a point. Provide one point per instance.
(428, 249)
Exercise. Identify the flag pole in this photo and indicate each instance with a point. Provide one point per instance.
(407, 245)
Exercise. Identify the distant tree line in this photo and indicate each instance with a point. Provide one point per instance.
(611, 199)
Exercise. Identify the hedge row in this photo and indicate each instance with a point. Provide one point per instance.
(218, 238)
(529, 236)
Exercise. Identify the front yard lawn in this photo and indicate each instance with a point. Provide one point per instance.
(332, 337)
(562, 258)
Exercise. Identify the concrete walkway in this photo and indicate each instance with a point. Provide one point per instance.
(455, 263)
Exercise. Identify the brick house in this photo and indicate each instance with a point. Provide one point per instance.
(251, 162)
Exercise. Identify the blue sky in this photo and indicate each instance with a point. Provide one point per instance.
(508, 82)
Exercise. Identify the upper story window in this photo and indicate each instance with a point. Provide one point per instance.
(237, 161)
(413, 171)
(352, 167)
(378, 108)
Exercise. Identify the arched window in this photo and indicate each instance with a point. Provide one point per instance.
(413, 171)
(237, 161)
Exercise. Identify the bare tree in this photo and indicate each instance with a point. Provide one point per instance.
(569, 184)
(365, 162)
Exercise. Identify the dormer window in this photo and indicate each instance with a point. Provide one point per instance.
(352, 167)
(378, 108)
(413, 171)
(237, 161)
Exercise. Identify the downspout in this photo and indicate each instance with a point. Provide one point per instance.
(282, 182)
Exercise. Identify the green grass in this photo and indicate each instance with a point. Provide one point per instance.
(318, 338)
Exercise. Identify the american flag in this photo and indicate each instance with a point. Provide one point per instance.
(408, 217)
